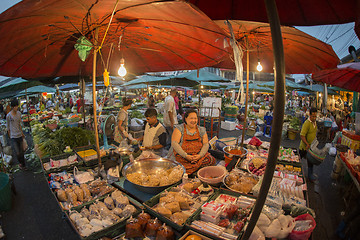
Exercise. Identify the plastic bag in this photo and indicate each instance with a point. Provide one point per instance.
(255, 141)
(82, 177)
(332, 151)
(25, 145)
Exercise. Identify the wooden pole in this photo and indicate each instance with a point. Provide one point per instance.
(94, 97)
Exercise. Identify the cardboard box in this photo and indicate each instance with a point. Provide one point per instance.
(228, 125)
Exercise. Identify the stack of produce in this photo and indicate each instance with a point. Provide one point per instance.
(70, 194)
(52, 143)
(144, 226)
(180, 202)
(102, 214)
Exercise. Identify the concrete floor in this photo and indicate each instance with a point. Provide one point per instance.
(36, 215)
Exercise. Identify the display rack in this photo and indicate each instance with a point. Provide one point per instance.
(209, 117)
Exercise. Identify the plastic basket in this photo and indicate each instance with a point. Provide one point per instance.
(303, 235)
(59, 157)
(196, 215)
(111, 231)
(5, 192)
(327, 123)
(89, 162)
(313, 158)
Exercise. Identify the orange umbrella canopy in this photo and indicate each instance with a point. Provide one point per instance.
(38, 37)
(303, 53)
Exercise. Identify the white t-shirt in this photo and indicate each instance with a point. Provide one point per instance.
(169, 106)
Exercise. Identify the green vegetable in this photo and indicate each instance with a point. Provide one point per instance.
(136, 114)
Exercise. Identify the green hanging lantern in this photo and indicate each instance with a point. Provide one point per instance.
(84, 47)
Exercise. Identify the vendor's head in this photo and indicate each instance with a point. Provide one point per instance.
(151, 116)
(127, 103)
(191, 118)
(313, 114)
(14, 103)
(173, 91)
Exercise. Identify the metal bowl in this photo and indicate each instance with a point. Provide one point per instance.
(227, 150)
(150, 164)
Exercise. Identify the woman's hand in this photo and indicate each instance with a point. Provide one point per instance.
(196, 157)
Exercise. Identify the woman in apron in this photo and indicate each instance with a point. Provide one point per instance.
(190, 143)
(121, 130)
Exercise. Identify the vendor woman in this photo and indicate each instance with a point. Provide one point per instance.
(190, 144)
(121, 131)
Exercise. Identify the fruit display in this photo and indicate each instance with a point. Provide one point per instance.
(257, 166)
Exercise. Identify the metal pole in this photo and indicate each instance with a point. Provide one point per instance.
(83, 100)
(279, 109)
(247, 92)
(94, 98)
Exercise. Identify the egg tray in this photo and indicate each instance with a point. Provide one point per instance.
(155, 200)
(59, 157)
(196, 215)
(111, 231)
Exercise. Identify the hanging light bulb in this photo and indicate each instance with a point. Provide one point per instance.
(253, 92)
(201, 86)
(122, 70)
(259, 67)
(319, 94)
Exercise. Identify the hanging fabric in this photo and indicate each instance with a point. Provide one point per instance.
(238, 55)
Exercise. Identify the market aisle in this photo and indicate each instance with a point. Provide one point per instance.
(35, 213)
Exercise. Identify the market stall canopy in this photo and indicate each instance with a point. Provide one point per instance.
(253, 86)
(288, 83)
(319, 88)
(302, 93)
(303, 53)
(346, 76)
(145, 79)
(211, 85)
(39, 37)
(291, 12)
(36, 89)
(16, 84)
(201, 75)
(69, 86)
(339, 89)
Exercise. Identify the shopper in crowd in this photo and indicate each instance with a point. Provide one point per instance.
(1, 109)
(121, 131)
(176, 100)
(154, 138)
(170, 117)
(79, 104)
(14, 129)
(308, 135)
(151, 102)
(190, 144)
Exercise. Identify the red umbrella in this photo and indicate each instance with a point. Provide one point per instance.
(346, 76)
(291, 12)
(303, 53)
(38, 37)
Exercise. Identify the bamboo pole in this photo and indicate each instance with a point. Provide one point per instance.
(94, 97)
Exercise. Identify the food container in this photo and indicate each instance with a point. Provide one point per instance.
(237, 151)
(147, 164)
(212, 175)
